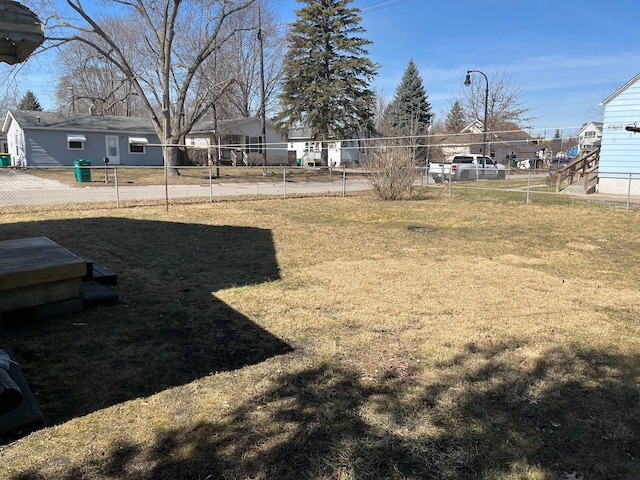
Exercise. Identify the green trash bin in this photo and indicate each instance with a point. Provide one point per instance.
(5, 159)
(82, 170)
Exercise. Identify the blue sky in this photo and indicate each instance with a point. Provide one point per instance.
(568, 55)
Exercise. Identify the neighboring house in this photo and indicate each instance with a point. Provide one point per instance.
(48, 139)
(240, 143)
(589, 136)
(306, 152)
(620, 152)
(505, 142)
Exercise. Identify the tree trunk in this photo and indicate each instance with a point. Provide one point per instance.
(171, 158)
(10, 394)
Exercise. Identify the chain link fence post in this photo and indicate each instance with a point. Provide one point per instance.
(344, 181)
(115, 179)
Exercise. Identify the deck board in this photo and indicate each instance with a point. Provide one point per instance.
(33, 261)
(37, 271)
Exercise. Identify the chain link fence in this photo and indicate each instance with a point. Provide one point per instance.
(548, 186)
(124, 186)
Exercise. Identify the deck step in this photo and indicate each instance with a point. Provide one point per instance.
(95, 293)
(99, 273)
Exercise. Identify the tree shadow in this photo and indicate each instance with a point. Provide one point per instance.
(168, 329)
(480, 420)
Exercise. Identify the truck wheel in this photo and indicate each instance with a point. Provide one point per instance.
(502, 175)
(464, 176)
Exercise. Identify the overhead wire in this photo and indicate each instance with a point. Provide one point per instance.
(382, 4)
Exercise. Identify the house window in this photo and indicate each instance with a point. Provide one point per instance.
(76, 141)
(253, 144)
(589, 134)
(137, 145)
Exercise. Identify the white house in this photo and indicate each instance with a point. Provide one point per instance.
(589, 136)
(240, 142)
(306, 152)
(620, 151)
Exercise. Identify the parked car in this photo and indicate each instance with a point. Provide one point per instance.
(467, 167)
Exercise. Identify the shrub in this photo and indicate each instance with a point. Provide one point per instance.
(392, 173)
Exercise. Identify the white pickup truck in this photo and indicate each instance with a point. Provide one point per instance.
(467, 167)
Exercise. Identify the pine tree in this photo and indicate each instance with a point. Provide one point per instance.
(455, 121)
(29, 102)
(409, 112)
(327, 73)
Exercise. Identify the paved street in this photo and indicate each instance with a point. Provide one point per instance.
(18, 187)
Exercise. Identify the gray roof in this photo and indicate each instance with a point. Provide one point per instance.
(55, 121)
(229, 126)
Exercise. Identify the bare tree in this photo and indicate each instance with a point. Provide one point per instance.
(505, 103)
(89, 82)
(242, 56)
(380, 107)
(166, 59)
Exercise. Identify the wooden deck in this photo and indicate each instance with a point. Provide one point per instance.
(38, 272)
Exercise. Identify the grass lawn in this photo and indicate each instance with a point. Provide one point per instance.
(330, 338)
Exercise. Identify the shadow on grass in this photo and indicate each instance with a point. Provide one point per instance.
(168, 328)
(486, 418)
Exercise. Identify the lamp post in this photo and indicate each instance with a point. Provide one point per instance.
(467, 82)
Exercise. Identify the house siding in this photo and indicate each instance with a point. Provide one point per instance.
(620, 153)
(233, 136)
(46, 145)
(50, 148)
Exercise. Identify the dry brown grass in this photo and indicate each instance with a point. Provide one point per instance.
(128, 175)
(324, 338)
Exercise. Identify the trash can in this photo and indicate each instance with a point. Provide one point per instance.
(5, 159)
(82, 170)
(298, 162)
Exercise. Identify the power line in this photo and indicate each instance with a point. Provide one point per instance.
(382, 4)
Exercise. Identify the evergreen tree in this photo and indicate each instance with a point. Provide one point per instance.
(455, 121)
(409, 112)
(327, 73)
(29, 102)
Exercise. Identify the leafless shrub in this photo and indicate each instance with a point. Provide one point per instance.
(392, 173)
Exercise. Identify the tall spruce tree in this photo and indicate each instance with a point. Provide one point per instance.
(455, 121)
(327, 73)
(409, 112)
(29, 102)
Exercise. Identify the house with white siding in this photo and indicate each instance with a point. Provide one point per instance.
(304, 151)
(620, 152)
(237, 142)
(589, 136)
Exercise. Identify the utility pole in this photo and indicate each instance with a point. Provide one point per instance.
(263, 110)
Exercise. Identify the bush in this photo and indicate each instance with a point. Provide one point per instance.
(392, 173)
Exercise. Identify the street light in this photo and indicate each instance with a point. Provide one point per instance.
(467, 82)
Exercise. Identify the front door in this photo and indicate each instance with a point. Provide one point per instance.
(113, 149)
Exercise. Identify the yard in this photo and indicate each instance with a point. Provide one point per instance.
(340, 338)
